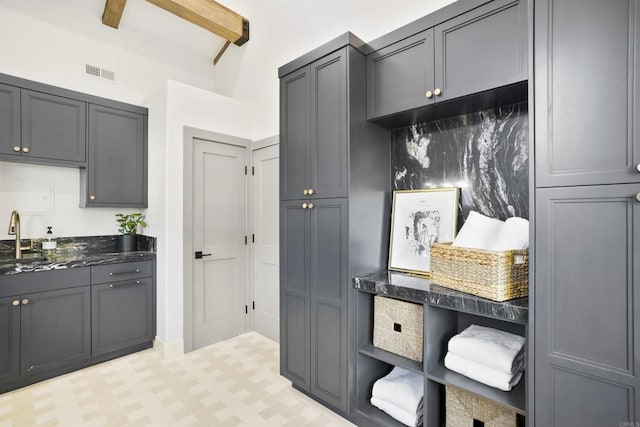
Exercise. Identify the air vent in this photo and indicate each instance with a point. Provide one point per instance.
(94, 71)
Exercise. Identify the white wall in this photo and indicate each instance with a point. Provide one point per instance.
(164, 63)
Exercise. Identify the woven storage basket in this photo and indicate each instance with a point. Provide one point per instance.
(498, 276)
(397, 327)
(462, 408)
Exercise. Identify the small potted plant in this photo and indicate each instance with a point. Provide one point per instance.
(128, 229)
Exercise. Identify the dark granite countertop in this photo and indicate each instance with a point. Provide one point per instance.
(421, 290)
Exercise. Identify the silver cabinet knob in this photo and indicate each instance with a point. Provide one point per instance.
(437, 92)
(638, 197)
(310, 205)
(16, 149)
(25, 149)
(92, 197)
(304, 206)
(305, 191)
(310, 192)
(428, 94)
(25, 301)
(15, 302)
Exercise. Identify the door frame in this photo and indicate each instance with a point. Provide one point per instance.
(256, 145)
(189, 134)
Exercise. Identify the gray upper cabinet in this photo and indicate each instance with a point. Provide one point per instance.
(399, 76)
(484, 48)
(53, 129)
(10, 120)
(481, 49)
(117, 171)
(9, 339)
(587, 343)
(55, 330)
(583, 48)
(313, 141)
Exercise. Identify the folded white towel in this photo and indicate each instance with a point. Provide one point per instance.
(490, 347)
(478, 232)
(514, 235)
(401, 388)
(405, 417)
(481, 373)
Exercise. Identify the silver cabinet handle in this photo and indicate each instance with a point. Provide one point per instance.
(125, 272)
(117, 285)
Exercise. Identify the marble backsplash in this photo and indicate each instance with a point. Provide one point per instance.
(86, 244)
(485, 154)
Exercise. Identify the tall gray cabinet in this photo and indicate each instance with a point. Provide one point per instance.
(334, 191)
(587, 213)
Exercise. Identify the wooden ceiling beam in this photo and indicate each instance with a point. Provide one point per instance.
(210, 15)
(113, 10)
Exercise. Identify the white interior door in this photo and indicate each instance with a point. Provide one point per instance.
(219, 218)
(266, 283)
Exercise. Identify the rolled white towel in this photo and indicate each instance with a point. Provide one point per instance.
(500, 350)
(478, 232)
(400, 387)
(405, 417)
(514, 235)
(482, 373)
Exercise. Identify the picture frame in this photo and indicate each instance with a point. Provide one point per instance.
(420, 218)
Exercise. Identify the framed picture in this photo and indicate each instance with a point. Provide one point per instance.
(419, 219)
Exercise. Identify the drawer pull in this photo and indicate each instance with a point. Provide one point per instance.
(116, 285)
(124, 272)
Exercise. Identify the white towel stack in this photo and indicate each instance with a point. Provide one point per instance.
(482, 232)
(399, 394)
(489, 356)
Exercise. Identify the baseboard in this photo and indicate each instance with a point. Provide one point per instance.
(169, 350)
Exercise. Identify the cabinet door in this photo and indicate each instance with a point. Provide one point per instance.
(587, 342)
(482, 49)
(9, 339)
(399, 76)
(121, 315)
(329, 287)
(9, 120)
(117, 169)
(587, 92)
(55, 330)
(294, 293)
(53, 129)
(294, 134)
(329, 114)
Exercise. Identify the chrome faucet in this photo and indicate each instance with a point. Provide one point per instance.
(14, 229)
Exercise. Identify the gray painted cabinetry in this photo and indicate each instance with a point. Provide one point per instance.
(481, 49)
(587, 213)
(326, 177)
(9, 339)
(117, 171)
(9, 120)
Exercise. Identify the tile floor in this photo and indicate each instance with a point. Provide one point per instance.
(232, 383)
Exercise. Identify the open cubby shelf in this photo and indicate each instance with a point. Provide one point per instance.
(391, 358)
(378, 417)
(514, 399)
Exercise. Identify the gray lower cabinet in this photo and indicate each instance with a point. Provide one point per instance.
(9, 339)
(10, 120)
(121, 315)
(55, 330)
(53, 129)
(587, 293)
(313, 139)
(482, 49)
(583, 48)
(116, 174)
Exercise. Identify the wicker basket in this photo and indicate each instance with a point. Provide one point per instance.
(463, 408)
(498, 276)
(397, 327)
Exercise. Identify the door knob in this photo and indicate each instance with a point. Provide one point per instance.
(437, 92)
(310, 192)
(310, 205)
(428, 94)
(304, 206)
(16, 149)
(25, 301)
(15, 302)
(199, 254)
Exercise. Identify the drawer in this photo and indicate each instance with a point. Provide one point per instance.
(119, 272)
(41, 281)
